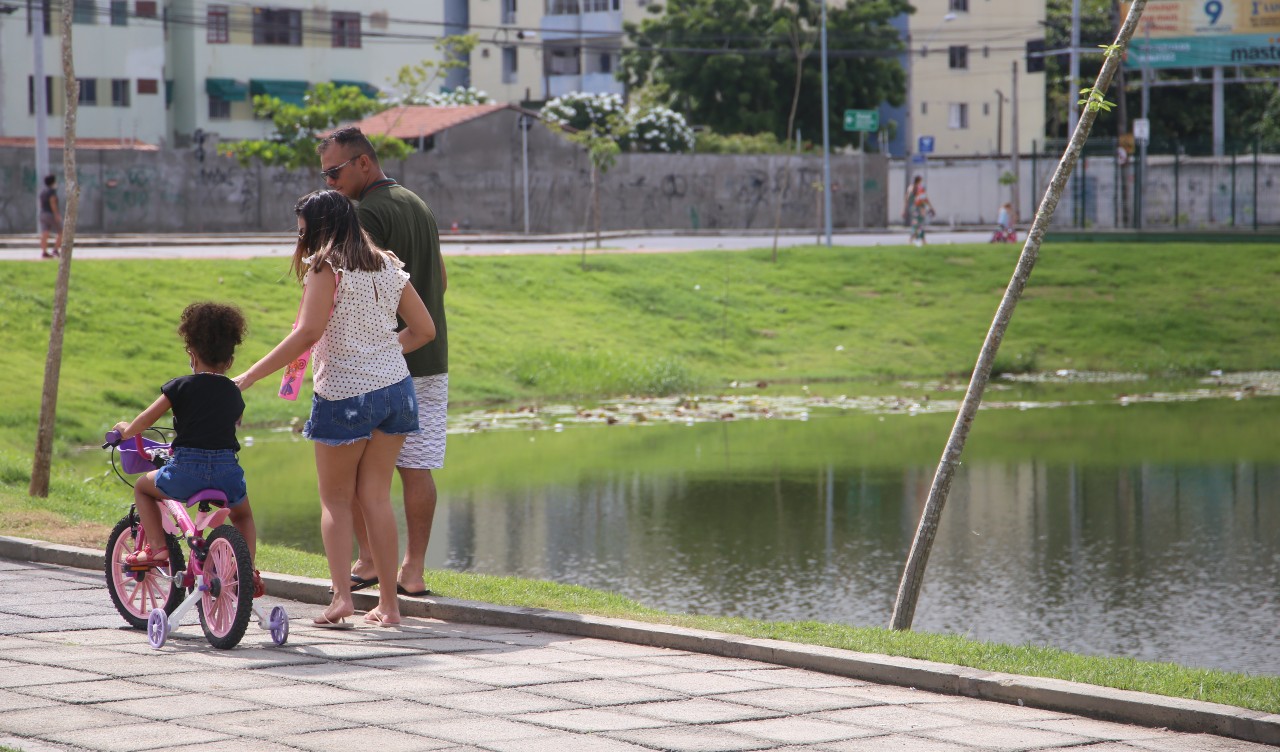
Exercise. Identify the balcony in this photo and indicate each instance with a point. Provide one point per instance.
(591, 83)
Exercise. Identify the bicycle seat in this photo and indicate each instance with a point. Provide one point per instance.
(212, 496)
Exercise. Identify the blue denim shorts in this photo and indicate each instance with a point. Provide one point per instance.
(391, 409)
(193, 470)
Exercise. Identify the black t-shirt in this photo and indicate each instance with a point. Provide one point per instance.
(206, 408)
(46, 202)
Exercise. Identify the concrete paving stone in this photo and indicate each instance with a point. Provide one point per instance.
(415, 686)
(91, 692)
(329, 672)
(531, 639)
(701, 662)
(121, 636)
(355, 651)
(700, 710)
(897, 718)
(477, 730)
(792, 700)
(132, 665)
(587, 720)
(11, 701)
(432, 663)
(502, 702)
(386, 712)
(167, 709)
(1196, 743)
(513, 676)
(599, 692)
(702, 683)
(607, 649)
(552, 742)
(881, 694)
(15, 624)
(525, 657)
(898, 743)
(51, 655)
(999, 737)
(217, 682)
(60, 609)
(297, 695)
(1096, 729)
(205, 656)
(449, 645)
(614, 668)
(12, 586)
(239, 745)
(691, 739)
(795, 677)
(383, 740)
(134, 737)
(47, 720)
(22, 642)
(265, 724)
(28, 745)
(996, 712)
(798, 730)
(460, 629)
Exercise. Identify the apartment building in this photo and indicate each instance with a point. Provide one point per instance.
(159, 71)
(961, 73)
(541, 49)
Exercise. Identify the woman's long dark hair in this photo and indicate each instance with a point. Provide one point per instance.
(331, 232)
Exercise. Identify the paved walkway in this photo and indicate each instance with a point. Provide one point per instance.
(73, 678)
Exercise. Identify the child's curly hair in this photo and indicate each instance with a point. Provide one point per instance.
(212, 331)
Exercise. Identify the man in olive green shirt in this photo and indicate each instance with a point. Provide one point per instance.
(398, 221)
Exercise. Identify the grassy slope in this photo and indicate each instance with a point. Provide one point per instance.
(540, 327)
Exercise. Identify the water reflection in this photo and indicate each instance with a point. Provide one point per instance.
(1162, 547)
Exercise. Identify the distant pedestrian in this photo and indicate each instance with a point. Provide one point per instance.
(50, 218)
(1005, 231)
(917, 210)
(399, 221)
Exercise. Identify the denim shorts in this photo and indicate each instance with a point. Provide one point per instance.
(193, 470)
(392, 410)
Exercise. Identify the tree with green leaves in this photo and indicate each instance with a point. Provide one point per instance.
(732, 65)
(299, 128)
(413, 84)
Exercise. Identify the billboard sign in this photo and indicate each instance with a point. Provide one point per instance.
(1206, 33)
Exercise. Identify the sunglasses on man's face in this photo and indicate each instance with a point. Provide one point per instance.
(332, 172)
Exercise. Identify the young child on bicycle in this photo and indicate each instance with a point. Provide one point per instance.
(206, 408)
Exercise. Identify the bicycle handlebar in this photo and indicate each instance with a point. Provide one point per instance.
(112, 438)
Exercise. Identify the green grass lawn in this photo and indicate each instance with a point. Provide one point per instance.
(540, 328)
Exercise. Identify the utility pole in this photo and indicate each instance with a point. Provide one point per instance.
(1073, 85)
(826, 135)
(1014, 148)
(1219, 122)
(39, 99)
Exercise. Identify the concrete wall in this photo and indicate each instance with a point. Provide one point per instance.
(1199, 192)
(472, 176)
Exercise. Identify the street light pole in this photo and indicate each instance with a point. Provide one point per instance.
(826, 134)
(39, 98)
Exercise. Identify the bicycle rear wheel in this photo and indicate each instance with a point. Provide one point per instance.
(227, 604)
(135, 594)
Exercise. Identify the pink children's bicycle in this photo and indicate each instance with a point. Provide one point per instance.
(218, 579)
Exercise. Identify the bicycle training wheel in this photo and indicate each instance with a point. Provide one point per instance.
(135, 594)
(227, 604)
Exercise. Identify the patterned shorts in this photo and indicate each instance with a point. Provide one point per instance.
(424, 450)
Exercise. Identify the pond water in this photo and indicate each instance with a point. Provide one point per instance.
(1149, 530)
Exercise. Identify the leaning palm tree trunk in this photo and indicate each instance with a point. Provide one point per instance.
(53, 361)
(913, 575)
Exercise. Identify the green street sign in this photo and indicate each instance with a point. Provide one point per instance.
(862, 120)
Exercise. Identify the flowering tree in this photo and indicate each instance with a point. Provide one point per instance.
(660, 129)
(462, 95)
(643, 128)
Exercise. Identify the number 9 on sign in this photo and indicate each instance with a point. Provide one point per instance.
(1213, 9)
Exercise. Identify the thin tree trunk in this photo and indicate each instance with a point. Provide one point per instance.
(40, 467)
(595, 201)
(913, 575)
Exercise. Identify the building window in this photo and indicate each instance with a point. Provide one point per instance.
(119, 13)
(510, 65)
(986, 108)
(84, 12)
(148, 86)
(277, 27)
(48, 95)
(119, 92)
(924, 108)
(959, 118)
(564, 61)
(219, 108)
(218, 24)
(144, 9)
(346, 29)
(88, 91)
(960, 5)
(508, 11)
(986, 51)
(959, 56)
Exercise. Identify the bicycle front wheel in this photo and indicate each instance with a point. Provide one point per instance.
(227, 604)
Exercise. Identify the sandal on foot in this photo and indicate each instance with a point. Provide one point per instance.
(378, 620)
(153, 558)
(325, 622)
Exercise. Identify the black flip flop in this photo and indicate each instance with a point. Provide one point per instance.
(360, 583)
(415, 594)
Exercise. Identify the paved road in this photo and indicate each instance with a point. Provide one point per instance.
(485, 246)
(73, 678)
